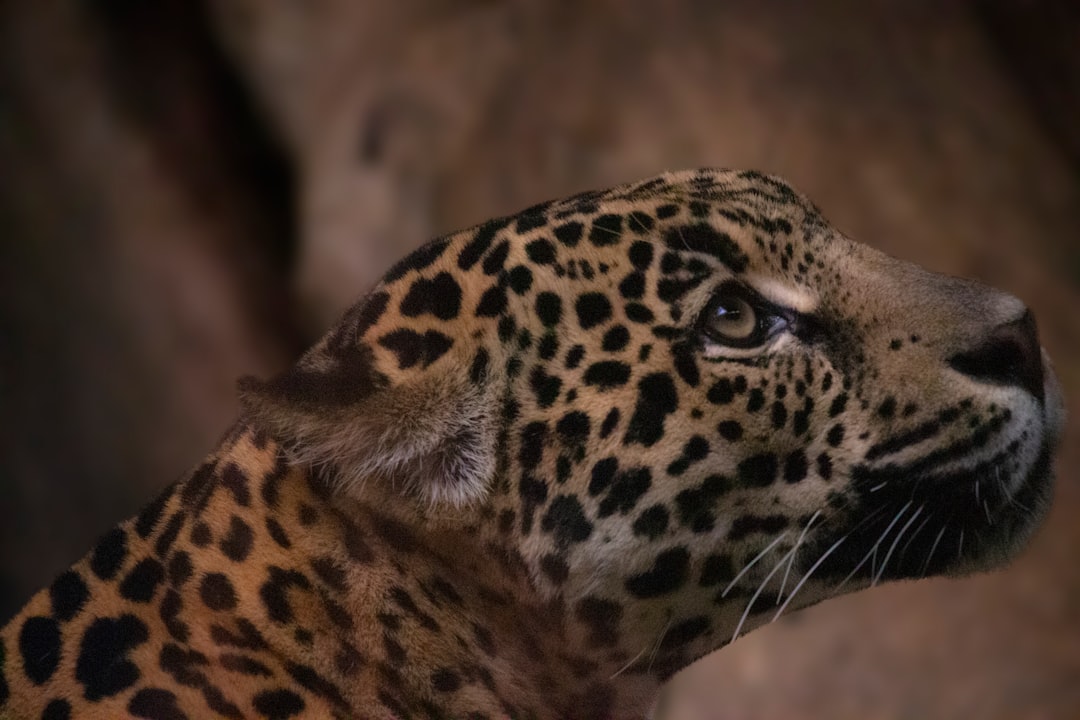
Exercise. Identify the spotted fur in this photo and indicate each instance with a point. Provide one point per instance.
(524, 478)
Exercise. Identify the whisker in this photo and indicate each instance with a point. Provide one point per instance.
(757, 593)
(627, 666)
(815, 566)
(960, 546)
(885, 562)
(791, 562)
(926, 565)
(659, 642)
(751, 564)
(873, 550)
(907, 545)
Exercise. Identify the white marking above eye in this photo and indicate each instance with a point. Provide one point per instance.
(783, 294)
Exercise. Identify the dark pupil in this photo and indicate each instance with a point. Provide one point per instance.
(730, 312)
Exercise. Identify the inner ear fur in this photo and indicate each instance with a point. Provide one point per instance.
(430, 434)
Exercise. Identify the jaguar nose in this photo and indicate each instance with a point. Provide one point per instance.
(1010, 355)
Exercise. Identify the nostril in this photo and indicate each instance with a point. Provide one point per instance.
(1009, 356)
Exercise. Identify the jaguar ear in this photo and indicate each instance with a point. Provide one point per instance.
(363, 412)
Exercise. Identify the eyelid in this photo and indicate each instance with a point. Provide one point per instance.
(783, 295)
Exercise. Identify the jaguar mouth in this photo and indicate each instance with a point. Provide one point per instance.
(946, 522)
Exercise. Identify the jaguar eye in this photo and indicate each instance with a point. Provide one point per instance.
(739, 319)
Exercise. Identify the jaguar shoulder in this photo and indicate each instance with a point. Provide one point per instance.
(551, 460)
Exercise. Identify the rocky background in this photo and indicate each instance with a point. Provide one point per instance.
(190, 190)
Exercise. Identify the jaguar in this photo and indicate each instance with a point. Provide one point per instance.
(551, 460)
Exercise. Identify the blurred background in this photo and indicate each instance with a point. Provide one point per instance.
(191, 190)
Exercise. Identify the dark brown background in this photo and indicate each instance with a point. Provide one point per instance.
(190, 191)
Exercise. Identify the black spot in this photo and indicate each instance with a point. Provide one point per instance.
(492, 302)
(887, 408)
(445, 680)
(667, 574)
(569, 234)
(695, 505)
(836, 435)
(608, 426)
(896, 344)
(625, 491)
(370, 312)
(704, 238)
(800, 422)
(573, 427)
(652, 522)
(717, 569)
(616, 338)
(417, 260)
(602, 617)
(439, 296)
(636, 312)
(533, 439)
(641, 223)
(548, 347)
(109, 554)
(485, 235)
(607, 374)
(747, 524)
(545, 387)
(237, 541)
(824, 466)
(533, 492)
(721, 393)
(686, 366)
(278, 704)
(632, 287)
(656, 399)
(532, 218)
(555, 568)
(151, 514)
(141, 583)
(603, 473)
(217, 592)
(274, 593)
(236, 481)
(684, 632)
(67, 595)
(567, 521)
(277, 533)
(795, 467)
(39, 645)
(520, 279)
(730, 430)
(155, 704)
(641, 254)
(496, 259)
(56, 710)
(411, 347)
(755, 401)
(169, 612)
(248, 638)
(200, 534)
(311, 680)
(592, 308)
(549, 308)
(779, 415)
(541, 252)
(606, 230)
(758, 470)
(838, 404)
(103, 667)
(168, 536)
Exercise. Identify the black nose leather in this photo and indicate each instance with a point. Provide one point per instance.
(1010, 355)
